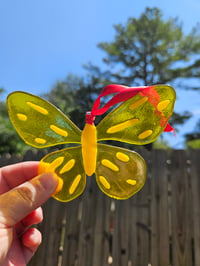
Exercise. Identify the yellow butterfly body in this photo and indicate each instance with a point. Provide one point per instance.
(89, 148)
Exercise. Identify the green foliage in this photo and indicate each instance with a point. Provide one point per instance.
(75, 96)
(193, 144)
(161, 144)
(150, 50)
(180, 118)
(193, 138)
(10, 142)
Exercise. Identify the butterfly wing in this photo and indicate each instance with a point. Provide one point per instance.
(66, 164)
(39, 123)
(120, 173)
(141, 119)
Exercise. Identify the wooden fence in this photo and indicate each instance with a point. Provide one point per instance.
(159, 226)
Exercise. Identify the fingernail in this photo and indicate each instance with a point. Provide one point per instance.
(59, 186)
(48, 181)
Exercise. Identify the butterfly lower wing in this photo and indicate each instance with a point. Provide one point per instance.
(120, 173)
(141, 119)
(67, 165)
(38, 122)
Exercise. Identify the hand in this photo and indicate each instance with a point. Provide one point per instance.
(21, 195)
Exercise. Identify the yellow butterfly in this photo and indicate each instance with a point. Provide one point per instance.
(140, 118)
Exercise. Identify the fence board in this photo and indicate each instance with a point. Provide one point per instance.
(143, 225)
(101, 231)
(155, 237)
(86, 236)
(71, 233)
(159, 210)
(121, 233)
(116, 235)
(107, 229)
(132, 248)
(181, 236)
(195, 181)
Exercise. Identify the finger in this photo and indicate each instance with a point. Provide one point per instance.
(31, 240)
(34, 217)
(16, 174)
(22, 200)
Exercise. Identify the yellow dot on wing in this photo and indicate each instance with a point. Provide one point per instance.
(59, 131)
(122, 157)
(162, 105)
(74, 184)
(122, 126)
(68, 166)
(22, 117)
(104, 182)
(55, 163)
(40, 140)
(38, 108)
(110, 165)
(138, 103)
(145, 134)
(131, 182)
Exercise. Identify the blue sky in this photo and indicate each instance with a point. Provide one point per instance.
(42, 41)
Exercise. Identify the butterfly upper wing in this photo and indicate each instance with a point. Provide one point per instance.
(141, 119)
(39, 123)
(66, 164)
(120, 173)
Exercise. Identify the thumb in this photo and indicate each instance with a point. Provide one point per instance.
(22, 200)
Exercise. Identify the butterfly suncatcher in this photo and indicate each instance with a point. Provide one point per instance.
(140, 118)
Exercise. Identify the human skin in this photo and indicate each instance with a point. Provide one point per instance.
(22, 193)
